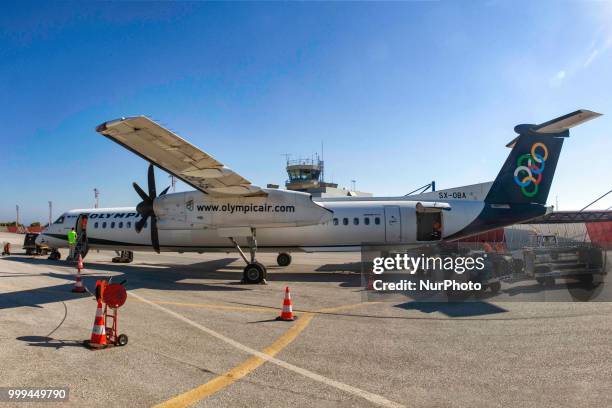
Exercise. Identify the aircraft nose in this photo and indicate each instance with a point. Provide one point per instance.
(39, 239)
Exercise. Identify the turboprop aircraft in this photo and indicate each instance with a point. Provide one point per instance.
(226, 212)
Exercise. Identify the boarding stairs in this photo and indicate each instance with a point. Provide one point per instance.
(81, 247)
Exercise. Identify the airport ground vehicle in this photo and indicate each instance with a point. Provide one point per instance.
(581, 261)
(31, 247)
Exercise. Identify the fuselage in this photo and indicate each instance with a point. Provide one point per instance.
(194, 222)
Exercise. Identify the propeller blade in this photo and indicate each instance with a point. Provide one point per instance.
(151, 179)
(140, 192)
(164, 192)
(140, 223)
(154, 234)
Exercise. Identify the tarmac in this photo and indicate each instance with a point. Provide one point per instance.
(199, 338)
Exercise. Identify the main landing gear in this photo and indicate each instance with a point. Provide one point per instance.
(123, 257)
(254, 272)
(55, 255)
(283, 259)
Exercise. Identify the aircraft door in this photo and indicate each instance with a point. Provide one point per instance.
(393, 224)
(81, 230)
(81, 225)
(429, 225)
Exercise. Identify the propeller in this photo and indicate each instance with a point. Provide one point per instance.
(145, 207)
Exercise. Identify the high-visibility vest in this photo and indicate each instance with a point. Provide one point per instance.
(72, 237)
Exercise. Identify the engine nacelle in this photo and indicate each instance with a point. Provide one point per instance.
(279, 208)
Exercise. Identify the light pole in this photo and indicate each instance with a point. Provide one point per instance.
(17, 223)
(50, 213)
(97, 197)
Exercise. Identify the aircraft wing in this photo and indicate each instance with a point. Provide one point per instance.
(178, 157)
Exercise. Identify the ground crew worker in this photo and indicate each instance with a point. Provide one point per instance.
(72, 240)
(436, 231)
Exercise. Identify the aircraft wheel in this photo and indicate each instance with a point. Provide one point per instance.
(254, 273)
(283, 259)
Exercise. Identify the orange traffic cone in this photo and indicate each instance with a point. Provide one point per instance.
(287, 312)
(80, 263)
(98, 334)
(78, 285)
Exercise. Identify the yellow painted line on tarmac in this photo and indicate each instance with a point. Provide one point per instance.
(218, 383)
(252, 363)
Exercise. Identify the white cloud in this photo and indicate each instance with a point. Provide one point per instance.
(556, 80)
(591, 58)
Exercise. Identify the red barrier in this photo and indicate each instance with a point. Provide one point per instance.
(600, 233)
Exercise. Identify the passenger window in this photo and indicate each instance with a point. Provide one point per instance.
(129, 224)
(366, 220)
(96, 225)
(345, 221)
(121, 224)
(335, 221)
(104, 225)
(377, 220)
(356, 221)
(113, 224)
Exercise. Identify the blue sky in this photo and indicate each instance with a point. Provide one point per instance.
(400, 93)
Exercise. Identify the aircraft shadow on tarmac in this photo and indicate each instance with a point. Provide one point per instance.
(454, 309)
(157, 276)
(138, 277)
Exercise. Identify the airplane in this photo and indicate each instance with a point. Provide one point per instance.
(226, 212)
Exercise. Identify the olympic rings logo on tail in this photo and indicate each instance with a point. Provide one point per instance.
(530, 167)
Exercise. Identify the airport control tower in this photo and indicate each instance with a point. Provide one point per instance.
(307, 175)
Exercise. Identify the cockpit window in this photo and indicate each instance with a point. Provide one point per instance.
(60, 220)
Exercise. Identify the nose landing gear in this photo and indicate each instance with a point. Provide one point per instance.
(254, 272)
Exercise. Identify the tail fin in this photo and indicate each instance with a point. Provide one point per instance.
(528, 172)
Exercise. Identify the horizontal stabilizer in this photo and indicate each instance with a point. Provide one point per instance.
(566, 121)
(557, 125)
